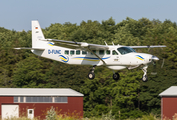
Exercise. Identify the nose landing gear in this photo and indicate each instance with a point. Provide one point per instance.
(145, 78)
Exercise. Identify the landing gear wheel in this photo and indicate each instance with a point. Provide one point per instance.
(116, 76)
(145, 78)
(91, 75)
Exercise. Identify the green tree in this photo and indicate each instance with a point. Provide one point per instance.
(29, 72)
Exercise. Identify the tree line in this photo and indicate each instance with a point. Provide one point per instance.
(128, 97)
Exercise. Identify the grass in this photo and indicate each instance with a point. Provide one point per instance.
(63, 117)
(54, 115)
(104, 117)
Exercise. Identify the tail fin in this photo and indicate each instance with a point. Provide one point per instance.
(36, 35)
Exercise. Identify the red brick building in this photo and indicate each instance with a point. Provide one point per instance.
(169, 102)
(34, 102)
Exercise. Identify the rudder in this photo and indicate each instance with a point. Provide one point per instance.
(36, 35)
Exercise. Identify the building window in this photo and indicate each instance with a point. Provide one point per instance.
(44, 99)
(39, 99)
(21, 99)
(28, 99)
(61, 99)
(15, 99)
(47, 99)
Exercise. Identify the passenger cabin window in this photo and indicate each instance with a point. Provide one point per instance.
(114, 52)
(67, 52)
(93, 51)
(72, 52)
(108, 52)
(84, 52)
(101, 52)
(77, 52)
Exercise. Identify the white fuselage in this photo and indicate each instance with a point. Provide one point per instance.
(112, 57)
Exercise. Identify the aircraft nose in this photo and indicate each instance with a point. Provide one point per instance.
(155, 58)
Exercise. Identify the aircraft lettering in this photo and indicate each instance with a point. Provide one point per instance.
(54, 51)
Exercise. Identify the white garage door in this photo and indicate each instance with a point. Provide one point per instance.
(8, 111)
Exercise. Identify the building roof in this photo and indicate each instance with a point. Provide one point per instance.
(38, 92)
(171, 91)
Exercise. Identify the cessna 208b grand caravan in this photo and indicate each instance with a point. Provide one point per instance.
(115, 57)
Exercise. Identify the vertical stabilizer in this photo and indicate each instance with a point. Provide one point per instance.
(36, 35)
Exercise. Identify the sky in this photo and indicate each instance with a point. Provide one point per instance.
(18, 14)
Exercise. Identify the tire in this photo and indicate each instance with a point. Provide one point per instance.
(91, 75)
(116, 76)
(145, 78)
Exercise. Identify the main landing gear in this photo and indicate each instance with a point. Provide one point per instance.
(91, 74)
(145, 78)
(116, 76)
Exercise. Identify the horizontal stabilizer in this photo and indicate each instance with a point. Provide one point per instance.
(29, 48)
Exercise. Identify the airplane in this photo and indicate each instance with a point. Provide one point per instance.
(114, 57)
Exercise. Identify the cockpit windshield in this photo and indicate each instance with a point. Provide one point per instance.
(125, 50)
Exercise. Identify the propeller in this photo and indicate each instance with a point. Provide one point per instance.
(156, 65)
(156, 62)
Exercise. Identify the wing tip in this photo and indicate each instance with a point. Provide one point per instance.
(17, 48)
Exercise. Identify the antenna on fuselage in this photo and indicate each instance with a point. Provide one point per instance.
(105, 43)
(112, 43)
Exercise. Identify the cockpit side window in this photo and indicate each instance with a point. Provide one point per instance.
(84, 52)
(125, 50)
(108, 52)
(114, 52)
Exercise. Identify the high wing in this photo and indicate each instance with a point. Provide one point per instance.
(148, 46)
(30, 48)
(76, 45)
(80, 45)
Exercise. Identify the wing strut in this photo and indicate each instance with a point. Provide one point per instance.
(96, 55)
